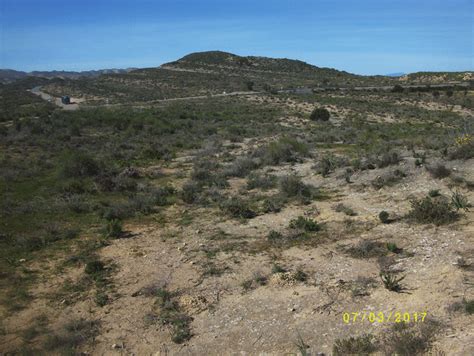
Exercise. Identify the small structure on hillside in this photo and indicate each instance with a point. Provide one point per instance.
(66, 100)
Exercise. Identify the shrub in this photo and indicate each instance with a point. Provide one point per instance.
(341, 208)
(261, 181)
(397, 89)
(300, 276)
(391, 281)
(203, 170)
(433, 193)
(384, 217)
(361, 345)
(439, 171)
(190, 192)
(292, 187)
(286, 149)
(273, 204)
(79, 164)
(305, 224)
(114, 229)
(388, 159)
(408, 339)
(241, 167)
(275, 235)
(459, 201)
(325, 166)
(278, 269)
(366, 249)
(320, 114)
(392, 247)
(388, 179)
(464, 152)
(237, 208)
(94, 267)
(429, 210)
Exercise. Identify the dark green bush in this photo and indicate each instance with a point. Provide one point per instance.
(429, 210)
(384, 217)
(79, 164)
(320, 114)
(292, 187)
(237, 208)
(305, 224)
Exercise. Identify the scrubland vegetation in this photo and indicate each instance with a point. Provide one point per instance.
(243, 195)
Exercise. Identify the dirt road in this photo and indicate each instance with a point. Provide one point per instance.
(56, 101)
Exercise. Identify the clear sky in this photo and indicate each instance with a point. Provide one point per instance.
(360, 36)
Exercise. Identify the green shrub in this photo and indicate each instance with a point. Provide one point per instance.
(391, 281)
(94, 267)
(237, 208)
(190, 192)
(300, 276)
(292, 187)
(79, 164)
(305, 224)
(388, 179)
(274, 235)
(114, 229)
(341, 208)
(320, 114)
(388, 159)
(384, 217)
(361, 345)
(429, 210)
(408, 339)
(459, 201)
(392, 247)
(367, 249)
(278, 269)
(263, 182)
(469, 306)
(273, 204)
(286, 149)
(463, 152)
(241, 167)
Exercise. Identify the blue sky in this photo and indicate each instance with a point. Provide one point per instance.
(359, 36)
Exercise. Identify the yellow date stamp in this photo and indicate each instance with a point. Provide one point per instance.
(383, 317)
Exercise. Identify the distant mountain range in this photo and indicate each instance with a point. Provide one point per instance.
(10, 75)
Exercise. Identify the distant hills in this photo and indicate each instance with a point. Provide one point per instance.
(210, 73)
(10, 75)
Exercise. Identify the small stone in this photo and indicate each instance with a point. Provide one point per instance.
(22, 260)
